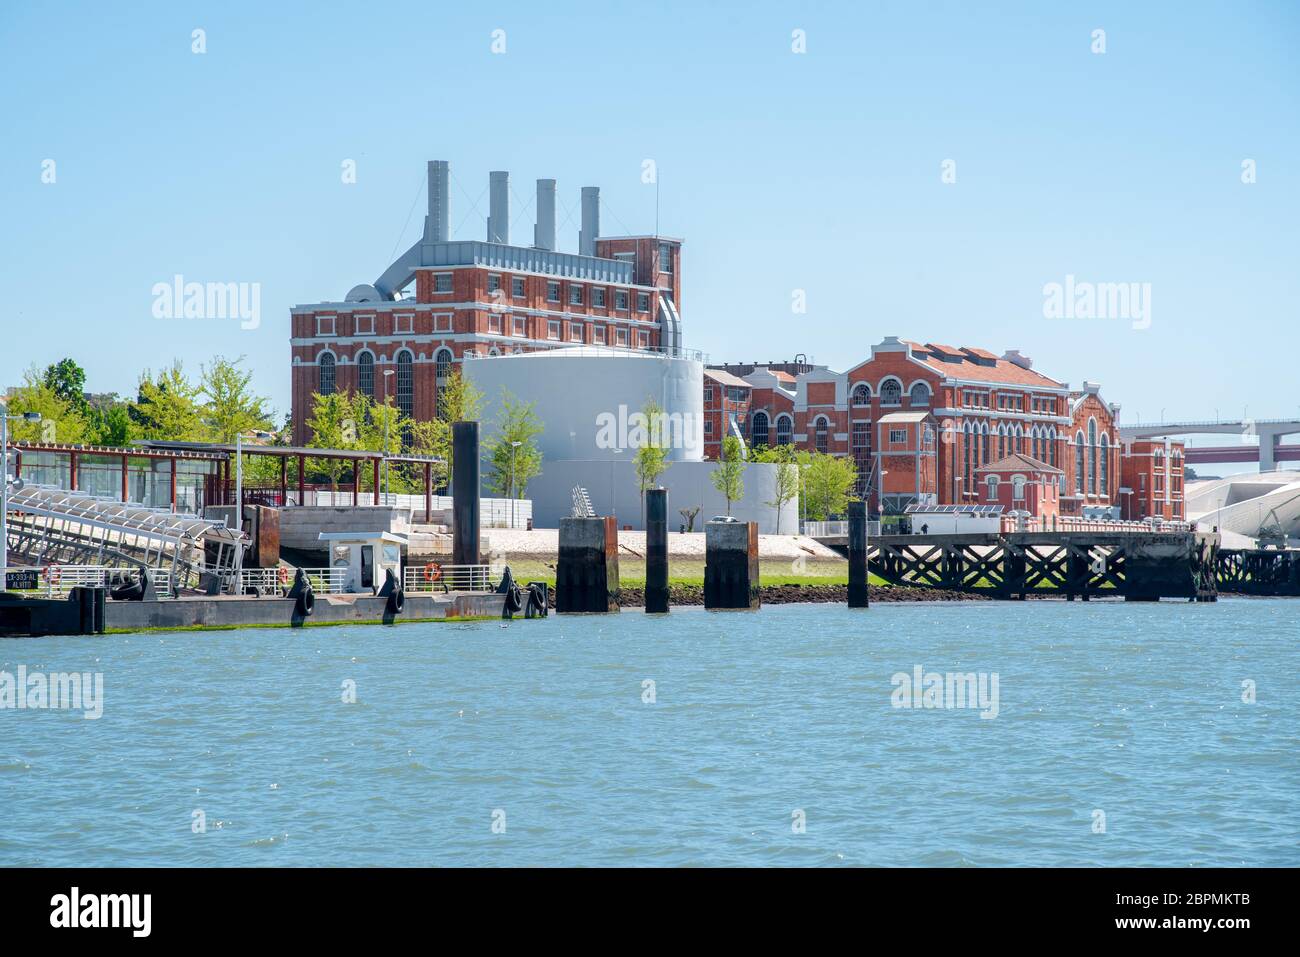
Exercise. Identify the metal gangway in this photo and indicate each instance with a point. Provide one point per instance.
(53, 527)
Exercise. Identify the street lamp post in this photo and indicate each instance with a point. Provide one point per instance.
(387, 373)
(4, 484)
(513, 446)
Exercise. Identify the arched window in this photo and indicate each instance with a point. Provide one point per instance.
(821, 427)
(1105, 464)
(984, 444)
(405, 383)
(1017, 488)
(1052, 439)
(1078, 462)
(920, 394)
(784, 429)
(971, 439)
(1092, 456)
(862, 394)
(1002, 441)
(366, 374)
(758, 429)
(442, 364)
(326, 384)
(992, 483)
(891, 392)
(1020, 440)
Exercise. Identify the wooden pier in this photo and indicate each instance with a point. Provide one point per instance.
(1083, 565)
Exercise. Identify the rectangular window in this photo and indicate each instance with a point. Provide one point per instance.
(665, 257)
(708, 393)
(575, 332)
(442, 282)
(643, 302)
(403, 324)
(494, 282)
(598, 298)
(517, 287)
(442, 322)
(898, 436)
(494, 322)
(575, 295)
(521, 326)
(325, 325)
(620, 299)
(620, 337)
(708, 426)
(552, 292)
(365, 325)
(643, 339)
(553, 329)
(598, 335)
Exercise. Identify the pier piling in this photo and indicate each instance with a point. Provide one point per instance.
(464, 493)
(731, 565)
(656, 551)
(586, 577)
(858, 597)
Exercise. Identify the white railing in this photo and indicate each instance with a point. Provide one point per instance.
(51, 580)
(493, 512)
(325, 581)
(1011, 523)
(837, 529)
(434, 577)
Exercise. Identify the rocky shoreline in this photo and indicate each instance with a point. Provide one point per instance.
(634, 596)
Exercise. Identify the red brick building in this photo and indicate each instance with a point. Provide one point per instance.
(1153, 481)
(726, 410)
(1021, 483)
(445, 299)
(973, 408)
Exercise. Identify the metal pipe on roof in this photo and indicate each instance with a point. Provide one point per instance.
(437, 225)
(498, 224)
(544, 231)
(590, 220)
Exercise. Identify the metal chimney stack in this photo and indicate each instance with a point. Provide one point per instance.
(437, 225)
(590, 220)
(544, 231)
(498, 224)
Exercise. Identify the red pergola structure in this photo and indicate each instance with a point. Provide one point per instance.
(224, 454)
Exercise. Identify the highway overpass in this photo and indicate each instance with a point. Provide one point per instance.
(1267, 453)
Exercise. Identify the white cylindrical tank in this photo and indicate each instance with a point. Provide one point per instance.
(590, 399)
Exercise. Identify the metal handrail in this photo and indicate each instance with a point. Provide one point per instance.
(435, 577)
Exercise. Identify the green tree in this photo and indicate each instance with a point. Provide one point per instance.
(68, 380)
(458, 401)
(61, 421)
(167, 407)
(513, 466)
(651, 459)
(230, 407)
(786, 486)
(828, 485)
(109, 424)
(729, 477)
(333, 425)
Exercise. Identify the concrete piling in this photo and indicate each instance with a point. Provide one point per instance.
(464, 493)
(586, 578)
(656, 551)
(731, 565)
(858, 555)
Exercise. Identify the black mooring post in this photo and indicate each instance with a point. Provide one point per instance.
(656, 551)
(464, 493)
(731, 565)
(858, 555)
(586, 575)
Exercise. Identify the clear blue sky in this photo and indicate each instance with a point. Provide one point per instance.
(818, 171)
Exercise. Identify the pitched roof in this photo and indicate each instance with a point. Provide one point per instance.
(726, 378)
(993, 370)
(1018, 461)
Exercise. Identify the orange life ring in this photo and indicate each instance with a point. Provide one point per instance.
(432, 572)
(284, 575)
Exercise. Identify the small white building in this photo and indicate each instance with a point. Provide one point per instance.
(954, 519)
(364, 558)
